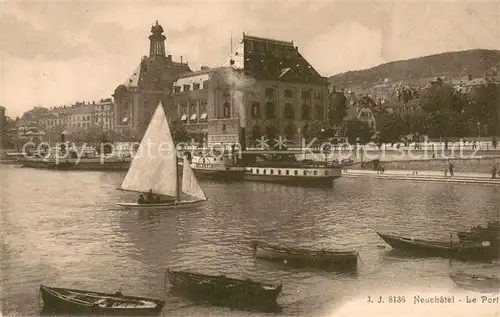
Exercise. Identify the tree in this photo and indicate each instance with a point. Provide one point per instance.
(337, 109)
(355, 129)
(320, 129)
(444, 107)
(392, 128)
(484, 108)
(179, 134)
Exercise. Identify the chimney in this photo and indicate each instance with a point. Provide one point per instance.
(181, 59)
(169, 57)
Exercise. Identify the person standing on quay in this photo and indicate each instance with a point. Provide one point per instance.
(445, 170)
(451, 166)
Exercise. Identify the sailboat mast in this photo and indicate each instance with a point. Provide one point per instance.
(178, 191)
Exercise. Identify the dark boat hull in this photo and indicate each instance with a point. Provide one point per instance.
(54, 303)
(436, 248)
(219, 175)
(301, 257)
(221, 290)
(311, 181)
(79, 164)
(476, 282)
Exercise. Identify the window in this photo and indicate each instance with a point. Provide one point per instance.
(305, 173)
(196, 86)
(186, 88)
(279, 172)
(226, 92)
(223, 128)
(318, 112)
(317, 95)
(264, 171)
(288, 93)
(205, 84)
(227, 110)
(269, 92)
(306, 94)
(287, 172)
(256, 109)
(257, 171)
(289, 112)
(315, 172)
(270, 111)
(272, 171)
(296, 173)
(326, 173)
(306, 115)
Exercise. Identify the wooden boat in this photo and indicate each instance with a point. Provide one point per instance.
(303, 256)
(154, 171)
(224, 290)
(439, 248)
(80, 302)
(476, 282)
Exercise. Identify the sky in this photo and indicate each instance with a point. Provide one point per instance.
(60, 52)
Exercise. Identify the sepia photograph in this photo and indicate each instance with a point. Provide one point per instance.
(250, 158)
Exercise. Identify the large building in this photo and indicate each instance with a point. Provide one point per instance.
(151, 82)
(264, 88)
(103, 115)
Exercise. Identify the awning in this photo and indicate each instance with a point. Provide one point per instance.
(193, 116)
(203, 116)
(184, 117)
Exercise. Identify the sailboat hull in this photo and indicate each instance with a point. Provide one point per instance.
(162, 205)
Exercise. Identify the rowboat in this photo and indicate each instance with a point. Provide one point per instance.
(439, 248)
(490, 232)
(224, 290)
(476, 282)
(80, 302)
(323, 257)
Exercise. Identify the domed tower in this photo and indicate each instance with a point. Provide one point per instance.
(157, 41)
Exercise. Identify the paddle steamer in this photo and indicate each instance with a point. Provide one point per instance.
(267, 166)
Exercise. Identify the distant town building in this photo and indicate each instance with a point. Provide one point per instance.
(103, 115)
(79, 118)
(152, 81)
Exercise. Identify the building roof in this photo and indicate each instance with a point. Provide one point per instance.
(156, 73)
(270, 59)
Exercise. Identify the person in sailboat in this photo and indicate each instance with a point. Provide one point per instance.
(150, 198)
(141, 199)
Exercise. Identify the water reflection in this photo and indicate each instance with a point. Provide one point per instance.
(63, 228)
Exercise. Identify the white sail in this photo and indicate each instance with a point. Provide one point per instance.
(190, 185)
(155, 164)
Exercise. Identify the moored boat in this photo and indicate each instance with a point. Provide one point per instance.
(301, 256)
(223, 290)
(490, 232)
(81, 302)
(476, 282)
(155, 171)
(480, 250)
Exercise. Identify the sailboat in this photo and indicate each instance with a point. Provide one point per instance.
(154, 169)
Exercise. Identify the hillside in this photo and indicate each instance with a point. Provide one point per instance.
(451, 64)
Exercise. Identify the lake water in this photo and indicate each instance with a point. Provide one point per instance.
(63, 229)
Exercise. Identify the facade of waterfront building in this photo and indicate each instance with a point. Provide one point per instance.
(103, 115)
(137, 98)
(264, 88)
(79, 118)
